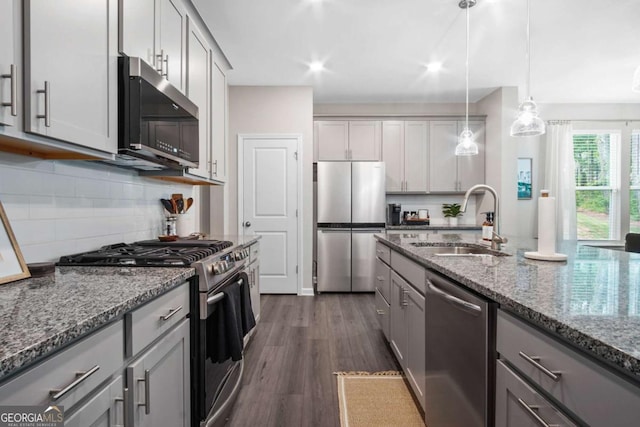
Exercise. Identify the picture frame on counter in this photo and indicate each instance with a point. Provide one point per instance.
(12, 264)
(524, 178)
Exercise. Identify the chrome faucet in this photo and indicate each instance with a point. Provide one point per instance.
(496, 238)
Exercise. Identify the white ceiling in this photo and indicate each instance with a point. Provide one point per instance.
(376, 50)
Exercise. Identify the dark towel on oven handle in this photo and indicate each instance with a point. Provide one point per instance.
(224, 327)
(248, 319)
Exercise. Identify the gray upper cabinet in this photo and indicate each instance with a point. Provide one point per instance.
(9, 63)
(70, 71)
(404, 151)
(219, 129)
(356, 140)
(155, 30)
(447, 172)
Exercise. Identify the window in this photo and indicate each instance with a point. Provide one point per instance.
(597, 171)
(634, 183)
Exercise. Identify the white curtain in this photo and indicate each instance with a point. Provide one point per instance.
(560, 177)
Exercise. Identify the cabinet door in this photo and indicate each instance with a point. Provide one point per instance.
(393, 153)
(159, 380)
(442, 159)
(137, 29)
(471, 169)
(254, 274)
(199, 91)
(416, 145)
(398, 321)
(71, 50)
(365, 139)
(382, 312)
(9, 57)
(383, 274)
(519, 405)
(332, 140)
(104, 409)
(416, 342)
(171, 30)
(219, 154)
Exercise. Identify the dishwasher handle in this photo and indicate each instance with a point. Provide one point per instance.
(433, 288)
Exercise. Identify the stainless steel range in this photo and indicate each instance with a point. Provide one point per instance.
(219, 266)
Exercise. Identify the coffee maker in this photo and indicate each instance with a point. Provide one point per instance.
(393, 214)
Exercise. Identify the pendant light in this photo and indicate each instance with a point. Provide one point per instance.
(636, 80)
(527, 122)
(466, 144)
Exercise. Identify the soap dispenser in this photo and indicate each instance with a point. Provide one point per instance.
(487, 226)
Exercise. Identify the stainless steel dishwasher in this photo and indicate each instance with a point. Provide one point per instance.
(460, 355)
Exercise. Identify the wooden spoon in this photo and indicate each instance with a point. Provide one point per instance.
(189, 203)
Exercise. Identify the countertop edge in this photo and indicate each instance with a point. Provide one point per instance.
(624, 363)
(20, 361)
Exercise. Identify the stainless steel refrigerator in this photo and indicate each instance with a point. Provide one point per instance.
(350, 210)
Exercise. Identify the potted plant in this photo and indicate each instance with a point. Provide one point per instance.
(452, 211)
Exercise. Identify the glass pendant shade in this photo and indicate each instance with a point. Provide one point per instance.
(636, 80)
(528, 123)
(466, 144)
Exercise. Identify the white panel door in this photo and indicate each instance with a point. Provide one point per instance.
(199, 91)
(416, 165)
(442, 158)
(270, 187)
(393, 153)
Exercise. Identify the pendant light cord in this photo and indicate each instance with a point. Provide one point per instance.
(528, 49)
(467, 75)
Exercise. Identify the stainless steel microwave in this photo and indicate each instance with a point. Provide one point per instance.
(157, 123)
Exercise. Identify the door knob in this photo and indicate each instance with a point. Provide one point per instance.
(247, 224)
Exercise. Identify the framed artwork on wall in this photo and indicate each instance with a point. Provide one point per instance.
(12, 265)
(524, 178)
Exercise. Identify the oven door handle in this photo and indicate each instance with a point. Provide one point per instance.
(219, 296)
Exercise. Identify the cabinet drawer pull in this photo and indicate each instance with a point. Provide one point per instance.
(165, 74)
(125, 413)
(159, 59)
(171, 314)
(14, 90)
(147, 393)
(380, 278)
(81, 376)
(534, 360)
(405, 301)
(380, 312)
(47, 104)
(531, 410)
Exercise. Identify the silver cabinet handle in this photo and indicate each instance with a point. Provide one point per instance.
(147, 393)
(531, 410)
(215, 170)
(380, 278)
(166, 67)
(452, 298)
(125, 412)
(405, 301)
(171, 314)
(159, 58)
(81, 376)
(535, 361)
(380, 312)
(14, 90)
(47, 104)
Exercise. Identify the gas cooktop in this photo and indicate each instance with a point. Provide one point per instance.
(149, 253)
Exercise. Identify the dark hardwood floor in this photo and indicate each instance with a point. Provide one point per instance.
(298, 344)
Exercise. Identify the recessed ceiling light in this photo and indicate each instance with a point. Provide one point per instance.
(316, 66)
(434, 66)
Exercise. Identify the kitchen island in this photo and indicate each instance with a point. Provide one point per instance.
(592, 301)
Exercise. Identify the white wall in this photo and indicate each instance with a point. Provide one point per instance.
(276, 110)
(59, 207)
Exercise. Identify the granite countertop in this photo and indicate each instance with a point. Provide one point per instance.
(433, 227)
(40, 315)
(591, 301)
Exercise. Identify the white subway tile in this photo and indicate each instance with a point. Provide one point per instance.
(16, 206)
(42, 207)
(33, 231)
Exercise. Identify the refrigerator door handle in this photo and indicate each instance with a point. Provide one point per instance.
(368, 230)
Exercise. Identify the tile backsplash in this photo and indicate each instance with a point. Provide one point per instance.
(58, 207)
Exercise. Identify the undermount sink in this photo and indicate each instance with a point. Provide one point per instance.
(457, 250)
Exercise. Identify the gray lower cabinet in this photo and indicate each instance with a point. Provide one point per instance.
(104, 409)
(398, 339)
(159, 381)
(383, 312)
(520, 405)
